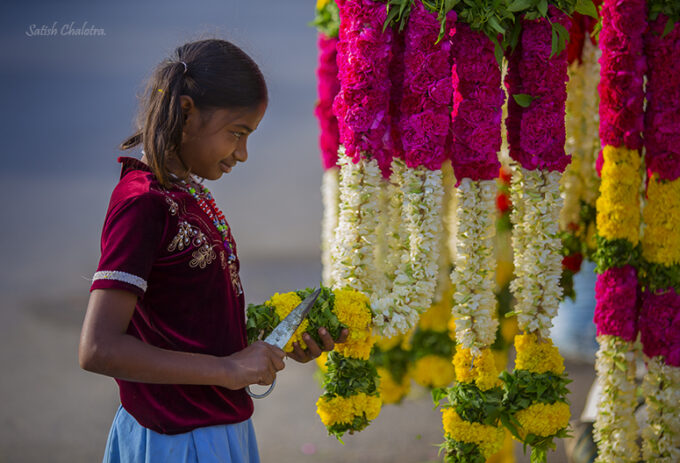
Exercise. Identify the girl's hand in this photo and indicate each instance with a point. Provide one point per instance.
(256, 364)
(313, 350)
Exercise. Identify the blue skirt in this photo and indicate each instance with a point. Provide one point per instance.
(130, 442)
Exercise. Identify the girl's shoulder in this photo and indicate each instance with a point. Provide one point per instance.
(139, 198)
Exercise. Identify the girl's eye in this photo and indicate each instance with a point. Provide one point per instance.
(238, 135)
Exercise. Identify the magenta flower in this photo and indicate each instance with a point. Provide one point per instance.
(362, 104)
(660, 325)
(327, 88)
(616, 303)
(536, 134)
(477, 105)
(425, 96)
(662, 114)
(621, 73)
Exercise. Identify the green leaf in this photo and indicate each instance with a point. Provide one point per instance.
(520, 5)
(523, 99)
(586, 7)
(669, 27)
(543, 7)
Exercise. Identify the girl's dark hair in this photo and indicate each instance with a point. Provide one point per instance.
(218, 75)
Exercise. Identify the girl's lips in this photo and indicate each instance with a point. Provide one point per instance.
(226, 168)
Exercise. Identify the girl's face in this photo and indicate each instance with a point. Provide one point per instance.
(214, 140)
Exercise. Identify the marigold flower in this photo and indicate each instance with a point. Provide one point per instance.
(543, 419)
(537, 357)
(433, 371)
(343, 409)
(392, 392)
(661, 215)
(481, 370)
(489, 439)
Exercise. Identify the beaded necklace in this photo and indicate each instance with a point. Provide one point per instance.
(207, 204)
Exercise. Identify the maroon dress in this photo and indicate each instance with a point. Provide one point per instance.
(158, 244)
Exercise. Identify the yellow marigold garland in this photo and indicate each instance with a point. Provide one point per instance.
(391, 391)
(481, 371)
(537, 357)
(618, 207)
(432, 371)
(351, 399)
(661, 215)
(489, 439)
(343, 410)
(542, 419)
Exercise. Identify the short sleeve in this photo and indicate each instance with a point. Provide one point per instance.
(132, 237)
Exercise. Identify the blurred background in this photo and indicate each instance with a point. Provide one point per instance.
(69, 101)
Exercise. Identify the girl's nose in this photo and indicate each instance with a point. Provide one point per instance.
(241, 153)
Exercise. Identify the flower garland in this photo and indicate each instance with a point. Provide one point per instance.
(580, 183)
(660, 276)
(618, 222)
(327, 88)
(432, 347)
(392, 358)
(423, 129)
(471, 415)
(351, 399)
(363, 55)
(536, 81)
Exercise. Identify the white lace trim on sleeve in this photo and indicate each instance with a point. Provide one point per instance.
(121, 276)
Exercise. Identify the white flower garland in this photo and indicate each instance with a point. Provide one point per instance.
(536, 246)
(473, 277)
(353, 262)
(580, 181)
(616, 428)
(445, 260)
(329, 197)
(661, 388)
(415, 279)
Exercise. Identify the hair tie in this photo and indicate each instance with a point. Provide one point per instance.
(185, 67)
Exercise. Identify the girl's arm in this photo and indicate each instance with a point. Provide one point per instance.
(105, 348)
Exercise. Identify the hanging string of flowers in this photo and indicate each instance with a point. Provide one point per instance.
(618, 223)
(432, 347)
(660, 276)
(327, 21)
(351, 399)
(361, 107)
(423, 129)
(580, 182)
(471, 415)
(535, 392)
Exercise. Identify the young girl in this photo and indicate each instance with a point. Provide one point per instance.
(166, 315)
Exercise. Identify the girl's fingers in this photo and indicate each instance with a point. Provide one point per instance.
(298, 354)
(326, 339)
(344, 334)
(312, 347)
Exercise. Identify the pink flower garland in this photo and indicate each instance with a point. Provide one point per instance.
(362, 104)
(426, 93)
(477, 105)
(621, 74)
(615, 312)
(536, 134)
(660, 313)
(328, 87)
(660, 325)
(396, 92)
(662, 114)
(621, 122)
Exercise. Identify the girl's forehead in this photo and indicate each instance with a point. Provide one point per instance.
(249, 117)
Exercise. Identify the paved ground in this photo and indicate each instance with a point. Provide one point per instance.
(54, 412)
